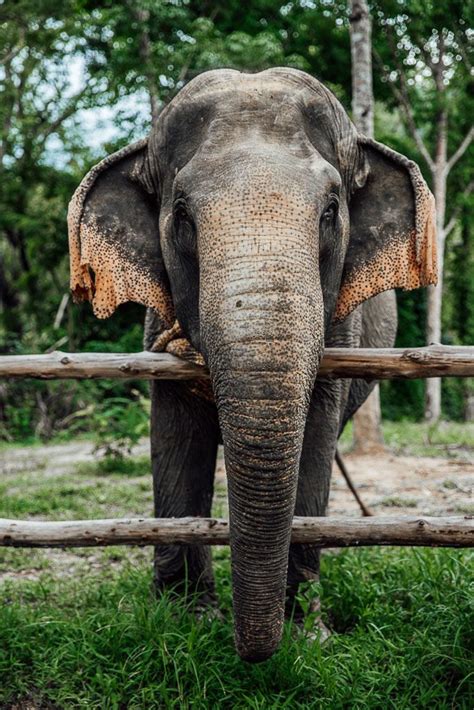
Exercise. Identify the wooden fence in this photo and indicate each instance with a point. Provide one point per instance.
(366, 363)
(407, 363)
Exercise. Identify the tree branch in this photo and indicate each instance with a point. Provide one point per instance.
(15, 50)
(69, 111)
(324, 532)
(449, 227)
(402, 97)
(11, 54)
(428, 58)
(365, 363)
(146, 54)
(462, 51)
(464, 145)
(9, 105)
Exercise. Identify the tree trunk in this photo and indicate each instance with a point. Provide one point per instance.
(367, 432)
(367, 420)
(435, 293)
(369, 363)
(145, 48)
(361, 53)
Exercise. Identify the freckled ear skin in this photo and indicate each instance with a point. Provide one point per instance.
(393, 236)
(114, 244)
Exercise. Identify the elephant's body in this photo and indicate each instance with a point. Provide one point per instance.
(254, 220)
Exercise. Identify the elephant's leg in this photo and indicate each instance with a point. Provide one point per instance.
(317, 456)
(378, 329)
(319, 446)
(184, 439)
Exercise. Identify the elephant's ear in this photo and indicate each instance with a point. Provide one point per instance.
(392, 240)
(114, 244)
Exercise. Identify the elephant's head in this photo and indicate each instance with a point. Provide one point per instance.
(254, 214)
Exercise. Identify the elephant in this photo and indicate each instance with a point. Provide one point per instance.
(258, 227)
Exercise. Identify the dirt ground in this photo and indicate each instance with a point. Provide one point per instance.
(388, 483)
(405, 484)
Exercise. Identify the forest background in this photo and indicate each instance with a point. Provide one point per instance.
(81, 79)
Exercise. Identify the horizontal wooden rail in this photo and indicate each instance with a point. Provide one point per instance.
(366, 363)
(325, 532)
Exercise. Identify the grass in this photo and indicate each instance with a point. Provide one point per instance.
(451, 439)
(399, 502)
(465, 509)
(422, 439)
(403, 623)
(116, 465)
(63, 437)
(84, 493)
(76, 498)
(81, 628)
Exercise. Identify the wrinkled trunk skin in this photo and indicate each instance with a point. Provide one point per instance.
(263, 447)
(261, 318)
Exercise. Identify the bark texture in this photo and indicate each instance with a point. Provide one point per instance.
(435, 293)
(361, 54)
(146, 55)
(367, 432)
(366, 363)
(367, 420)
(325, 532)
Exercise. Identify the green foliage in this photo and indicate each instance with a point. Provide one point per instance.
(406, 38)
(459, 307)
(120, 423)
(403, 399)
(32, 408)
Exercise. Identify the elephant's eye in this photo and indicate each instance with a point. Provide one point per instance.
(184, 230)
(330, 213)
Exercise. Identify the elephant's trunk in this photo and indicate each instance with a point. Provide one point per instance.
(261, 322)
(263, 443)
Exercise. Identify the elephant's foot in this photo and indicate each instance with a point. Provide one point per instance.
(186, 572)
(203, 605)
(207, 611)
(317, 631)
(309, 623)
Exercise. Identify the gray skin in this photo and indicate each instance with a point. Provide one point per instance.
(265, 195)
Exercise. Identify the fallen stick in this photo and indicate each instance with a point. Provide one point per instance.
(365, 363)
(366, 512)
(324, 532)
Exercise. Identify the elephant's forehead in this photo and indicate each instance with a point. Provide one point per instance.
(265, 98)
(225, 110)
(248, 110)
(216, 85)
